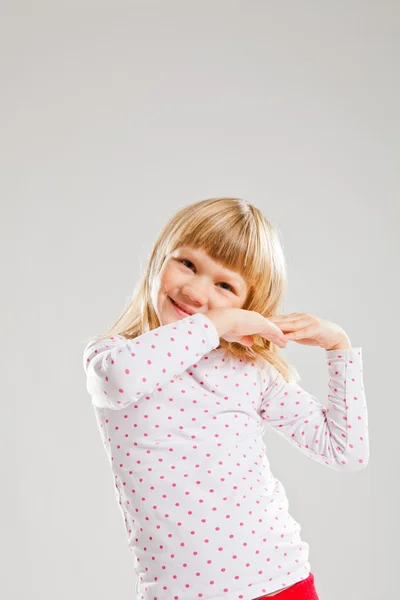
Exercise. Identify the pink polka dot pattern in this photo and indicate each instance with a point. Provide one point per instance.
(120, 371)
(335, 436)
(182, 426)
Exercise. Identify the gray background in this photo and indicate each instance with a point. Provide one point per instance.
(113, 116)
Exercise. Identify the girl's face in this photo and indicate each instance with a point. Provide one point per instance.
(197, 283)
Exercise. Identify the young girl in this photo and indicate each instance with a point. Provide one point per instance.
(182, 386)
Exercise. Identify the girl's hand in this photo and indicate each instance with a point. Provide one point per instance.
(239, 325)
(312, 331)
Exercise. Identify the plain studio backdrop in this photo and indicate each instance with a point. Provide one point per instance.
(113, 116)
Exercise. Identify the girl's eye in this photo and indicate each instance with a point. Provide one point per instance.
(229, 286)
(182, 260)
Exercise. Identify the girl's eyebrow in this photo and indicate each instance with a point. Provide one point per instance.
(229, 274)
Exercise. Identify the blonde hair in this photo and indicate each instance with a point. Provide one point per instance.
(235, 233)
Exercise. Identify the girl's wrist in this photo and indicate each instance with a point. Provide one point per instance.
(222, 319)
(343, 344)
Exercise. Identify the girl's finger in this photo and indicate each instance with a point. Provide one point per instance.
(277, 337)
(247, 340)
(286, 318)
(294, 324)
(276, 329)
(306, 332)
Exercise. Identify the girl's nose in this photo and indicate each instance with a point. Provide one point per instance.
(195, 294)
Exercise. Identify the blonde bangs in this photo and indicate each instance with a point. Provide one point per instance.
(226, 229)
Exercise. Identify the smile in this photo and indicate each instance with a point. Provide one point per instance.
(178, 310)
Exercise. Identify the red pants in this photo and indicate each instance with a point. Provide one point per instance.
(302, 590)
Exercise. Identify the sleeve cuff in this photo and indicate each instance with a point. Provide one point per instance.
(208, 328)
(347, 353)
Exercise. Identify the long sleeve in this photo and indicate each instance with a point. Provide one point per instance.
(336, 436)
(119, 371)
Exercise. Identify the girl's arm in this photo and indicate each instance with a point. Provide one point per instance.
(119, 371)
(335, 436)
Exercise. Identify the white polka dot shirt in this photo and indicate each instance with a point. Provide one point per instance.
(182, 426)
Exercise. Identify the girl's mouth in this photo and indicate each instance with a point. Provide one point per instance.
(178, 310)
